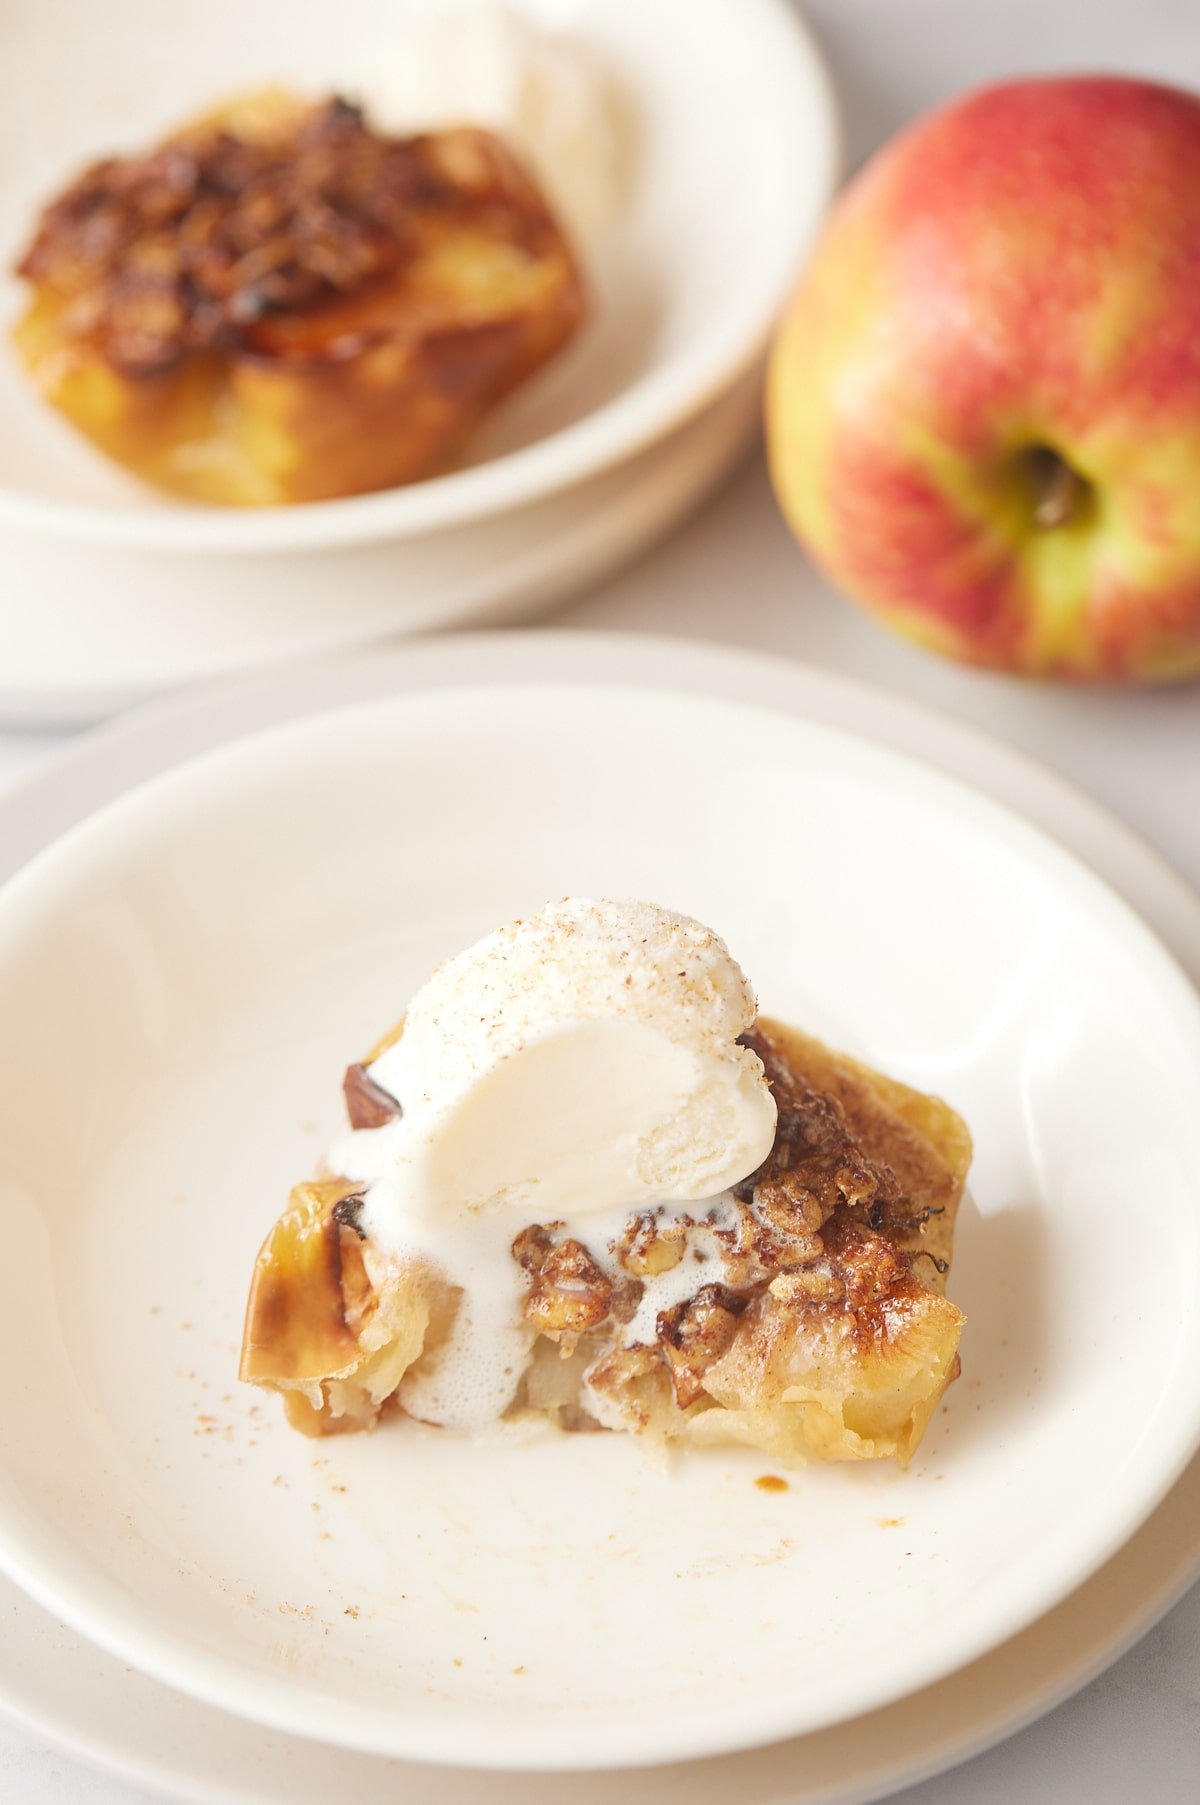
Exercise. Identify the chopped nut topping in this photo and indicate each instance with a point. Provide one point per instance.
(650, 1245)
(816, 1151)
(804, 1234)
(694, 1334)
(790, 1208)
(531, 1248)
(186, 248)
(569, 1293)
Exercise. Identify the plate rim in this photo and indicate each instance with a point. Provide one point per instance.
(619, 647)
(1096, 835)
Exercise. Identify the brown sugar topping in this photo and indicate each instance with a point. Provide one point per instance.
(184, 249)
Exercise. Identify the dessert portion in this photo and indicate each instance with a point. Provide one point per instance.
(584, 1179)
(279, 304)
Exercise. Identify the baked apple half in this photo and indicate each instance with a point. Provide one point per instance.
(802, 1312)
(279, 304)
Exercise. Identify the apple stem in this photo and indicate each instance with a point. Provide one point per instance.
(1061, 492)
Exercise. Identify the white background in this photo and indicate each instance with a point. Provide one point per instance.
(734, 575)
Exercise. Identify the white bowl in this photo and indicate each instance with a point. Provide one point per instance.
(110, 592)
(732, 155)
(180, 983)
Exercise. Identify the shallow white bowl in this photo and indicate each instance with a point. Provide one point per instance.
(180, 982)
(82, 1699)
(110, 592)
(731, 159)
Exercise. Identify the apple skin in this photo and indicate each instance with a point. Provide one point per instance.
(1015, 276)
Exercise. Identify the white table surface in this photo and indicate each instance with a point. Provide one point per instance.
(734, 575)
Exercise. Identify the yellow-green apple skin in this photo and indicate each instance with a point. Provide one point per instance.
(983, 404)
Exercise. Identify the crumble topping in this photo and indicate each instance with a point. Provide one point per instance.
(186, 248)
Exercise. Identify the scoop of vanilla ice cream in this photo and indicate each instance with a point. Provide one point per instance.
(584, 1058)
(550, 94)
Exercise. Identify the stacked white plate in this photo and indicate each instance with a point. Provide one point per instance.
(716, 129)
(255, 1617)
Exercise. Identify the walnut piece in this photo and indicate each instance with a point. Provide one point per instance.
(568, 1293)
(694, 1334)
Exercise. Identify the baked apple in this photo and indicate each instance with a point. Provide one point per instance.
(280, 305)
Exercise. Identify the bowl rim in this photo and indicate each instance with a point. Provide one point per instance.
(666, 397)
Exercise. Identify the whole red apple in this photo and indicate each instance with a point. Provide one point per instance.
(983, 407)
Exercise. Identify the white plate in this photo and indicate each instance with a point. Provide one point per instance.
(86, 635)
(73, 1693)
(187, 972)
